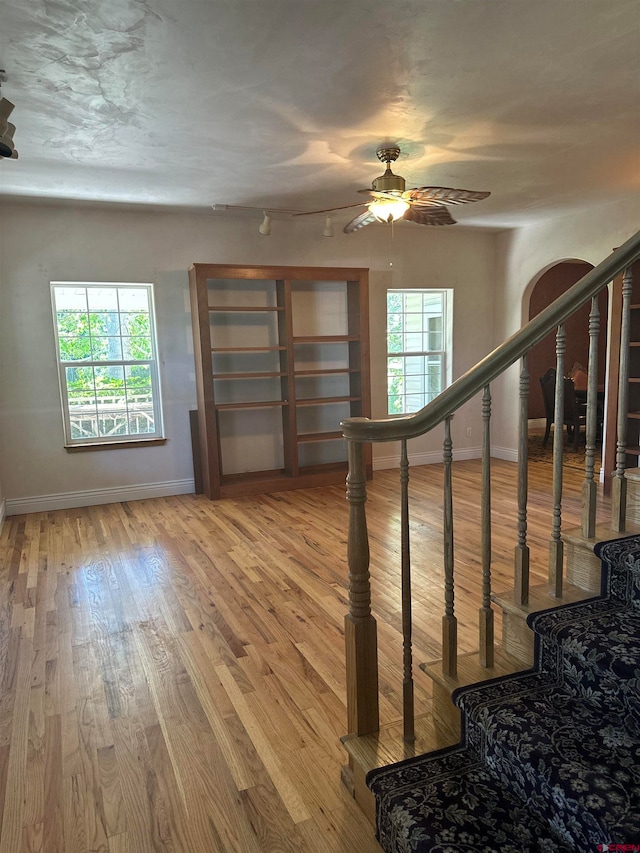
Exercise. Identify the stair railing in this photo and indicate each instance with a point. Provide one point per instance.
(360, 624)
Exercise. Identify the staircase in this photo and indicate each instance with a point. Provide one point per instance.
(550, 758)
(524, 739)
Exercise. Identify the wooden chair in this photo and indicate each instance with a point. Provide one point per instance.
(575, 413)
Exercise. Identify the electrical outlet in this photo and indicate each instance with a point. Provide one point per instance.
(468, 432)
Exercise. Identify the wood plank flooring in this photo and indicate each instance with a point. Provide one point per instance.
(171, 670)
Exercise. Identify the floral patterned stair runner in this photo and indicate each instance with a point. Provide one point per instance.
(550, 758)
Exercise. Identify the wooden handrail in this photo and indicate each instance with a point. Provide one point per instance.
(474, 380)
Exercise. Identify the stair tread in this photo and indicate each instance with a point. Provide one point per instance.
(540, 598)
(387, 746)
(602, 534)
(471, 671)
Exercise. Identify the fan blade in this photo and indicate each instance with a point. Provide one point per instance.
(444, 195)
(436, 215)
(331, 209)
(365, 218)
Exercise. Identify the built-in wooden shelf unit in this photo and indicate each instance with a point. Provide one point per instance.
(281, 356)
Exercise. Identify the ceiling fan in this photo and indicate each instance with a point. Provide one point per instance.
(391, 201)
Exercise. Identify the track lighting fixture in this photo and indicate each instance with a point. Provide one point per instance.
(265, 227)
(328, 226)
(7, 148)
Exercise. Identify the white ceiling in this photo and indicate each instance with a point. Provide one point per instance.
(282, 103)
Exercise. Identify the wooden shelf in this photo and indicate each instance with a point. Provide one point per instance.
(297, 437)
(321, 401)
(632, 451)
(234, 309)
(326, 372)
(248, 349)
(255, 375)
(325, 339)
(262, 404)
(319, 436)
(633, 415)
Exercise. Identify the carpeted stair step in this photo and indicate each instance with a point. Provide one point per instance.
(572, 760)
(598, 651)
(450, 803)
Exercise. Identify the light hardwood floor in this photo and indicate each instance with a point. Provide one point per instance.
(172, 673)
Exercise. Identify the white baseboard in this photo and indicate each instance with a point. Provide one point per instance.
(92, 497)
(508, 453)
(3, 513)
(432, 457)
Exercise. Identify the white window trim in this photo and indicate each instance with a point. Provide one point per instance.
(99, 442)
(447, 333)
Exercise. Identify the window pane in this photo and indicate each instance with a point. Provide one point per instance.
(106, 349)
(413, 342)
(395, 405)
(104, 323)
(75, 349)
(394, 343)
(112, 422)
(414, 364)
(141, 420)
(102, 298)
(394, 302)
(72, 323)
(135, 324)
(432, 303)
(133, 299)
(71, 299)
(435, 340)
(413, 322)
(136, 348)
(413, 402)
(413, 302)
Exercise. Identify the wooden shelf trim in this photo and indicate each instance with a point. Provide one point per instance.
(261, 404)
(321, 401)
(255, 375)
(635, 415)
(319, 436)
(247, 349)
(326, 372)
(232, 309)
(632, 451)
(324, 339)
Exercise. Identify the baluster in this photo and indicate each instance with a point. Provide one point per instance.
(556, 547)
(407, 661)
(619, 484)
(359, 625)
(589, 485)
(486, 612)
(449, 621)
(521, 571)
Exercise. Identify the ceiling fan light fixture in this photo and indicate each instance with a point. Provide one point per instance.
(388, 209)
(328, 226)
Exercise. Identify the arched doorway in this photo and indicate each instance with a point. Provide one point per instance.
(555, 281)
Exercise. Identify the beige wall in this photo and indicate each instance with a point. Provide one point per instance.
(45, 242)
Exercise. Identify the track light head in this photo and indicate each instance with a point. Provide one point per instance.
(265, 226)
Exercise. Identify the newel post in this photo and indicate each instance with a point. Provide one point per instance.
(360, 632)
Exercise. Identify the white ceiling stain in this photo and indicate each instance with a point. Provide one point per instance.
(282, 103)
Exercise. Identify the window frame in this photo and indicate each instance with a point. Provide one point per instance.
(101, 441)
(446, 353)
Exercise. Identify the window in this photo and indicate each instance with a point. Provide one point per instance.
(418, 347)
(107, 362)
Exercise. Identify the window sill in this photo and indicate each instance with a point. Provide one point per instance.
(115, 445)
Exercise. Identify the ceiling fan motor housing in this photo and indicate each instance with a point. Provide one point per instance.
(388, 183)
